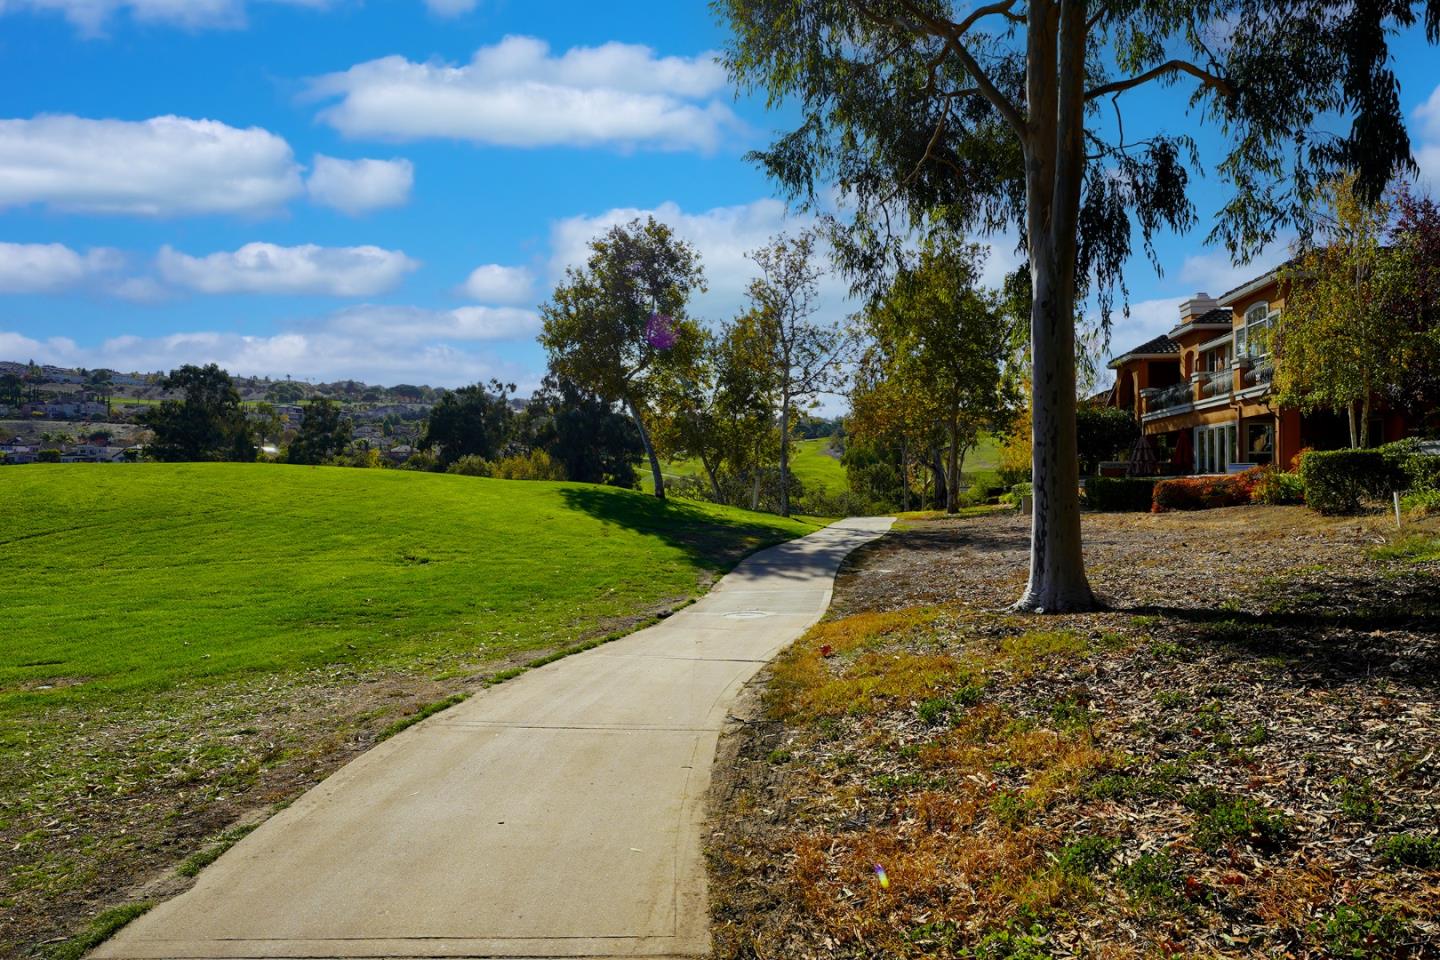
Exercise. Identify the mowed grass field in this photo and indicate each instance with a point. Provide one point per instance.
(184, 643)
(811, 460)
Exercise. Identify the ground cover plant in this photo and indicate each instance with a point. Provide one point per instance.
(1239, 758)
(187, 645)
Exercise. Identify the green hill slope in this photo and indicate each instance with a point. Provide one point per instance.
(149, 573)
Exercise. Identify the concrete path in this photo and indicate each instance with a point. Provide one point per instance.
(557, 815)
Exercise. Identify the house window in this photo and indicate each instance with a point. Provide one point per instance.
(1253, 337)
(1260, 442)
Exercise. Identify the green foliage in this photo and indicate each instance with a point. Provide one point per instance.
(591, 440)
(1425, 503)
(470, 421)
(535, 465)
(1339, 481)
(596, 322)
(1275, 487)
(1205, 493)
(1153, 878)
(1032, 944)
(1414, 850)
(102, 928)
(1120, 494)
(471, 465)
(1363, 932)
(1103, 433)
(324, 433)
(208, 424)
(47, 456)
(1411, 548)
(1224, 818)
(1087, 855)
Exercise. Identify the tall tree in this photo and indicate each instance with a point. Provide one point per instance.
(584, 433)
(470, 421)
(208, 423)
(614, 324)
(930, 113)
(324, 433)
(1335, 343)
(947, 343)
(805, 356)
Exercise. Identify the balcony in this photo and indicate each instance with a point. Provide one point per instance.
(1166, 398)
(1259, 375)
(1215, 383)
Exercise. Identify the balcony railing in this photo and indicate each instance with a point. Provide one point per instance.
(1263, 373)
(1216, 383)
(1176, 396)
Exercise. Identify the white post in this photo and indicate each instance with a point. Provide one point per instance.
(1396, 495)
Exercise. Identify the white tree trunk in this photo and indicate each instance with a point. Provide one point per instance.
(785, 457)
(649, 450)
(1054, 164)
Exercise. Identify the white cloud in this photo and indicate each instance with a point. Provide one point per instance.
(517, 93)
(91, 16)
(451, 8)
(166, 166)
(359, 186)
(494, 283)
(402, 326)
(722, 235)
(308, 269)
(51, 267)
(377, 344)
(1427, 143)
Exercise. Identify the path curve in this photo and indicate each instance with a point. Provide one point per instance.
(557, 815)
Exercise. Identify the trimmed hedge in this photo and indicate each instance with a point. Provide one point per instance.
(1120, 494)
(1204, 493)
(1336, 481)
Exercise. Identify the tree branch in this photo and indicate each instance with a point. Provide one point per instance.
(1216, 83)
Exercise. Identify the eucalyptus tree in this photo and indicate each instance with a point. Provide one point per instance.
(805, 355)
(618, 325)
(947, 344)
(1008, 116)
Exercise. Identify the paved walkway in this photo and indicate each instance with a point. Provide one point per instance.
(557, 815)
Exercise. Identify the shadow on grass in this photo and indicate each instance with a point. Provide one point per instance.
(715, 542)
(1339, 628)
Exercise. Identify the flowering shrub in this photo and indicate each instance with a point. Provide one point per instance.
(1204, 493)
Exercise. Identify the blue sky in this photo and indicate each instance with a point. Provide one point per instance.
(384, 190)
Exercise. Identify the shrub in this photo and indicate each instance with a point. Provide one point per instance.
(1013, 496)
(1120, 494)
(536, 465)
(1363, 932)
(47, 456)
(1337, 481)
(471, 465)
(1417, 471)
(1275, 487)
(1425, 503)
(1414, 850)
(421, 460)
(1205, 493)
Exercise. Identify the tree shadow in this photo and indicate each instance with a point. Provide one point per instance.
(712, 542)
(1328, 630)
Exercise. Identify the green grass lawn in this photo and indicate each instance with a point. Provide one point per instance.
(810, 460)
(174, 634)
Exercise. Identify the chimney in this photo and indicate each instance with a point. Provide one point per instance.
(1197, 306)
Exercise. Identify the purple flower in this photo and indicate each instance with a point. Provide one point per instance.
(660, 331)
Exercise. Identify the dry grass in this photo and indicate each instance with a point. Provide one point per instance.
(1215, 769)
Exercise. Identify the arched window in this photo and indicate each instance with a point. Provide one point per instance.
(1253, 338)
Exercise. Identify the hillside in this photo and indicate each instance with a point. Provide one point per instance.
(186, 643)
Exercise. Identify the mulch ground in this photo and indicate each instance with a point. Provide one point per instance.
(1240, 756)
